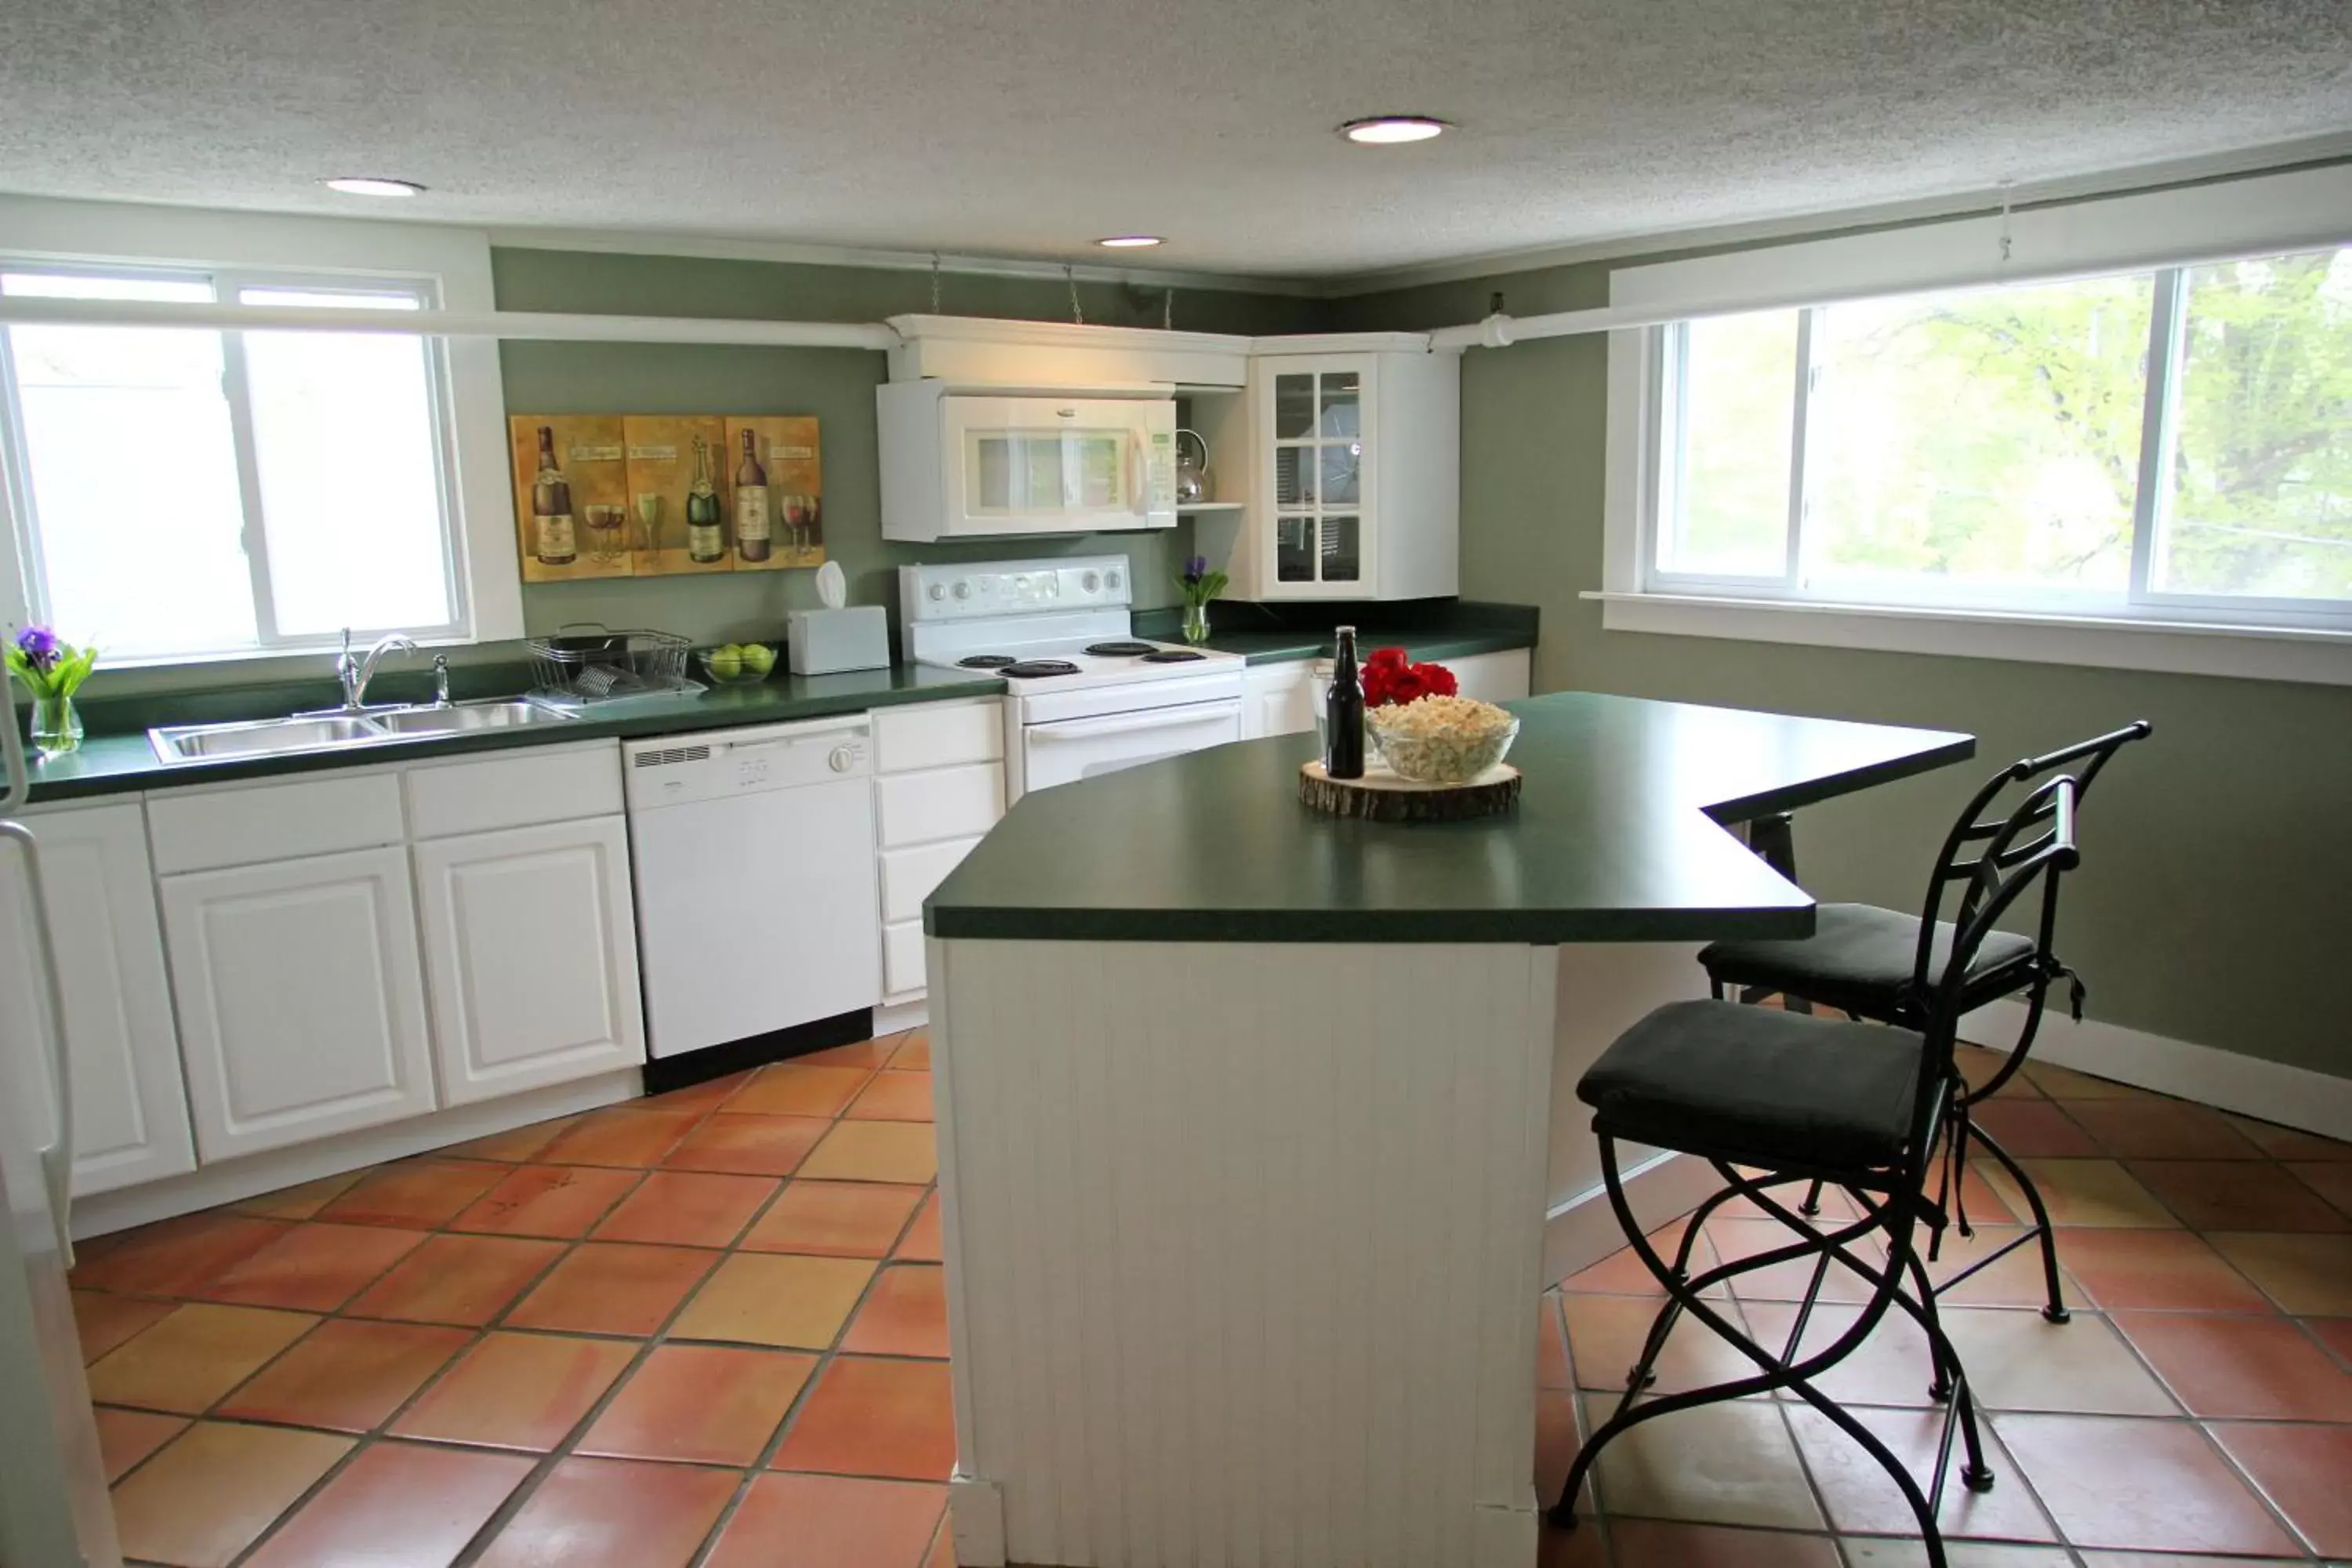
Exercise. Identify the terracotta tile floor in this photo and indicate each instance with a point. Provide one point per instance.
(706, 1331)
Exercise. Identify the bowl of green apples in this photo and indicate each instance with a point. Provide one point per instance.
(738, 663)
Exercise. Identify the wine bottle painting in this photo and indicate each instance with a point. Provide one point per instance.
(651, 495)
(572, 498)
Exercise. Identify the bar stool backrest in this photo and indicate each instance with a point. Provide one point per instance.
(1981, 845)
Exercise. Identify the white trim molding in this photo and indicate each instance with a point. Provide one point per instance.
(2268, 1091)
(2177, 648)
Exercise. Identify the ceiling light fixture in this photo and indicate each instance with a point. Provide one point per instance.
(367, 186)
(1130, 242)
(1388, 130)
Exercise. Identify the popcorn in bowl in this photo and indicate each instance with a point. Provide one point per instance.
(1441, 739)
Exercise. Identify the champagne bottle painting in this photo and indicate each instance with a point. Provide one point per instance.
(650, 495)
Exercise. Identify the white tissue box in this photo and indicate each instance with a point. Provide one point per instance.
(821, 642)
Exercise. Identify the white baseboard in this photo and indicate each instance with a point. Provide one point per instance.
(2272, 1092)
(1582, 1231)
(892, 1017)
(976, 1520)
(236, 1180)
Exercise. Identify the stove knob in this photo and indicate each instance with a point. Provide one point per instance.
(939, 592)
(842, 759)
(962, 589)
(1111, 581)
(1092, 582)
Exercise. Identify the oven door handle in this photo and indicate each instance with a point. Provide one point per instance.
(1088, 729)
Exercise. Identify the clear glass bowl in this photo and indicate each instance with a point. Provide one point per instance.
(737, 673)
(1440, 758)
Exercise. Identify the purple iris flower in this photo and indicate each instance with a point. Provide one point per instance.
(39, 647)
(1196, 568)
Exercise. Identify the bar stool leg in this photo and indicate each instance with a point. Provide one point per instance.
(2056, 1309)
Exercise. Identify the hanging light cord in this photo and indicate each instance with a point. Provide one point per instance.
(2007, 240)
(1077, 316)
(935, 282)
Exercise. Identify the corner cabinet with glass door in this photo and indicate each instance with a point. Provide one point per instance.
(1355, 463)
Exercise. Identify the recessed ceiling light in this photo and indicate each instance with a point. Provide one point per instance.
(1129, 242)
(360, 185)
(1387, 130)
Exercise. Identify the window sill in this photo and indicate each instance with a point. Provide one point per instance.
(2177, 648)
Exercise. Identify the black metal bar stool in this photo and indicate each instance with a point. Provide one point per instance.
(1802, 1098)
(1874, 963)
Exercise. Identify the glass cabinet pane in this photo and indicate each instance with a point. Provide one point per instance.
(1340, 414)
(1293, 548)
(1342, 464)
(1294, 476)
(1342, 550)
(1294, 407)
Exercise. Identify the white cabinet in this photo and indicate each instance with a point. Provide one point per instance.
(938, 786)
(1499, 677)
(1353, 463)
(531, 958)
(1278, 699)
(130, 1106)
(301, 999)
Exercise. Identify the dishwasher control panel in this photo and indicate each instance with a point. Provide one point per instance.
(676, 769)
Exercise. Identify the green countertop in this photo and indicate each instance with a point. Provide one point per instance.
(114, 764)
(1616, 837)
(119, 760)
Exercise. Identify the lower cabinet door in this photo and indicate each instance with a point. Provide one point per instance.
(301, 999)
(129, 1105)
(530, 956)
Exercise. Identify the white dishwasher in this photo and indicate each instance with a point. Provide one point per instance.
(754, 853)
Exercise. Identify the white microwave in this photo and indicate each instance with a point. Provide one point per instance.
(986, 464)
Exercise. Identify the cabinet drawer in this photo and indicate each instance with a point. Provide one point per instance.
(938, 735)
(945, 802)
(516, 789)
(200, 830)
(910, 875)
(902, 958)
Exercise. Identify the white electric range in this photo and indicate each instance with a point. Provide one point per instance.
(1084, 695)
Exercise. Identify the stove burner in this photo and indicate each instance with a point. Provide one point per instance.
(1118, 649)
(1172, 655)
(1029, 668)
(985, 661)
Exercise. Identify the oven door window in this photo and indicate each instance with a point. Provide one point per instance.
(1073, 748)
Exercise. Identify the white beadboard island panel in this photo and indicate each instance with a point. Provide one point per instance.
(1244, 1244)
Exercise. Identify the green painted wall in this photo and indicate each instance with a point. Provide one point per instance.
(835, 385)
(2213, 906)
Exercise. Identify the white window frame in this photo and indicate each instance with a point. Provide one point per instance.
(2158, 233)
(446, 269)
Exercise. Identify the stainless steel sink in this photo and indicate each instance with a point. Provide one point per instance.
(338, 732)
(464, 718)
(267, 737)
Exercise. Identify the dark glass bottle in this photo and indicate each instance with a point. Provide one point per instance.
(553, 539)
(1343, 714)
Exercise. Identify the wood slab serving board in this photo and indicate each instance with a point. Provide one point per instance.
(1383, 796)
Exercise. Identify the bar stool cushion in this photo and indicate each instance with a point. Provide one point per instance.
(1760, 1086)
(1859, 960)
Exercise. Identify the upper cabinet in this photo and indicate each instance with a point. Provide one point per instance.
(1347, 462)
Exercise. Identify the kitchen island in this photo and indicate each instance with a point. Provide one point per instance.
(1257, 1130)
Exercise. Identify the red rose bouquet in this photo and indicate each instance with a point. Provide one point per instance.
(1390, 679)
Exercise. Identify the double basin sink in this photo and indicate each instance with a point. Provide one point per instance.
(346, 731)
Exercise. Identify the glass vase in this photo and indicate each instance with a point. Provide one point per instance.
(1196, 623)
(57, 725)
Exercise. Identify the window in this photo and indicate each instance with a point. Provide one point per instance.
(2158, 445)
(180, 492)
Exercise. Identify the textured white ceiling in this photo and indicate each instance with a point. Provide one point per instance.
(1030, 127)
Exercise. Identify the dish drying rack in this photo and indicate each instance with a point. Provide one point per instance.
(594, 663)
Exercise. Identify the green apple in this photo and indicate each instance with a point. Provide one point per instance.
(726, 663)
(759, 657)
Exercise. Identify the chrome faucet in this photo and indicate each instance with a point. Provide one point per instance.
(440, 680)
(355, 670)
